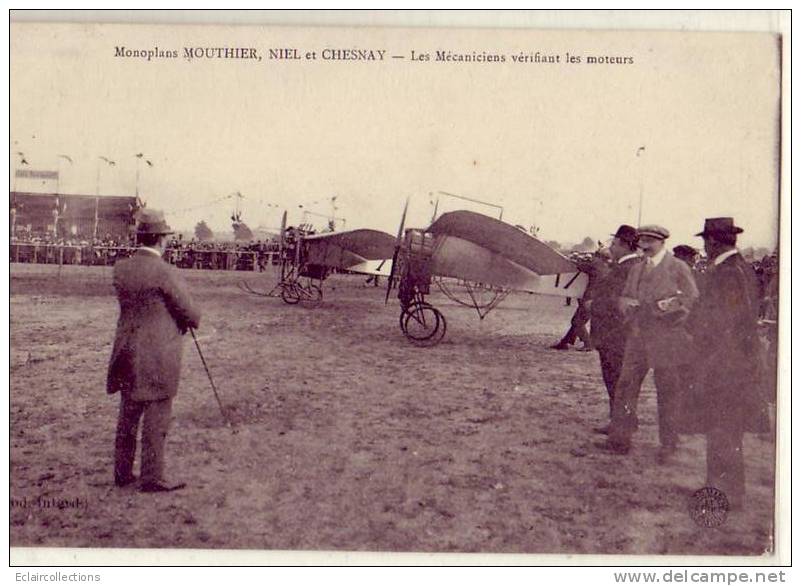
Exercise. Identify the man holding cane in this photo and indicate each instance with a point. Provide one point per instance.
(145, 366)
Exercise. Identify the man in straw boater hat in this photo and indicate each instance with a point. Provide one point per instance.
(728, 397)
(656, 300)
(155, 311)
(608, 331)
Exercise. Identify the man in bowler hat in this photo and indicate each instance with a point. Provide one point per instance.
(686, 253)
(608, 331)
(728, 398)
(155, 311)
(656, 300)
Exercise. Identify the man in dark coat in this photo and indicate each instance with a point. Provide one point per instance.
(686, 253)
(657, 298)
(155, 311)
(595, 269)
(729, 398)
(607, 327)
(577, 329)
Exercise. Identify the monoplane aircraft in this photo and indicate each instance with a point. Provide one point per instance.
(306, 259)
(476, 261)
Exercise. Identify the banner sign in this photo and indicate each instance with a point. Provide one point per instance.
(34, 174)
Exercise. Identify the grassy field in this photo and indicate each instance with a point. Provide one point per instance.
(350, 438)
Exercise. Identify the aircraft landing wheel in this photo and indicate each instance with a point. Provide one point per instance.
(311, 296)
(422, 324)
(290, 294)
(405, 311)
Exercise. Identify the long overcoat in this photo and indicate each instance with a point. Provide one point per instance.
(729, 389)
(155, 311)
(608, 329)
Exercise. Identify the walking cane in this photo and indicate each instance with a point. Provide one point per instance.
(211, 380)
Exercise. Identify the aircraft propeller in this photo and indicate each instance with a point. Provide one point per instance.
(398, 241)
(281, 243)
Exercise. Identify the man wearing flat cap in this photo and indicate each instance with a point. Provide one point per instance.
(155, 311)
(656, 300)
(608, 331)
(728, 398)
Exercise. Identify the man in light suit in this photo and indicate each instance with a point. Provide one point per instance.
(155, 311)
(730, 398)
(658, 295)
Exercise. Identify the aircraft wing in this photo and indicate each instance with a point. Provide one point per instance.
(481, 249)
(344, 250)
(380, 268)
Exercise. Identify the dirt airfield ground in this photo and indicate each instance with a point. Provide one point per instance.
(350, 438)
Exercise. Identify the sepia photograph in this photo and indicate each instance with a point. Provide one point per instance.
(396, 289)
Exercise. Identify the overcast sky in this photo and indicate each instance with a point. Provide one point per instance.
(555, 144)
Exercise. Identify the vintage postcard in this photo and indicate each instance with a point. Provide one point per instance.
(378, 289)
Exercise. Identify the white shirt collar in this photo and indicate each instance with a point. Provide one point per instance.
(150, 250)
(658, 257)
(623, 259)
(724, 255)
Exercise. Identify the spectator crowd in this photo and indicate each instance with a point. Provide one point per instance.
(190, 254)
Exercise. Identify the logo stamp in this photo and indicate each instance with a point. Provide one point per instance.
(709, 507)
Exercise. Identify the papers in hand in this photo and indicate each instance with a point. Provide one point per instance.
(670, 304)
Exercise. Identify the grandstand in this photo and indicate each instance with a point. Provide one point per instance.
(71, 215)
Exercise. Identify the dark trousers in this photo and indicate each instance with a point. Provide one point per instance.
(611, 358)
(156, 423)
(578, 327)
(725, 466)
(669, 381)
